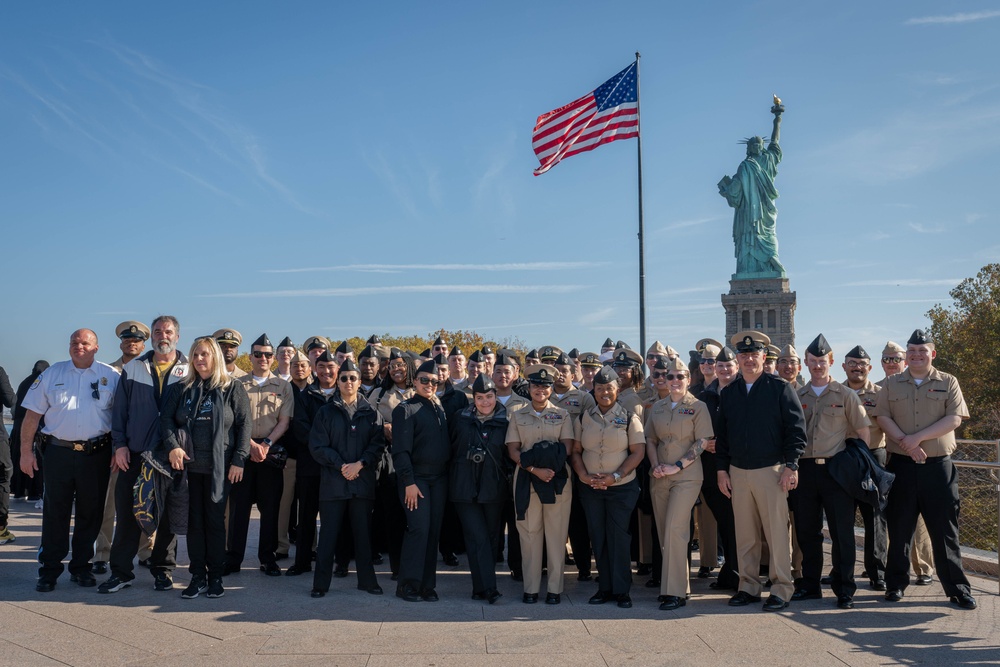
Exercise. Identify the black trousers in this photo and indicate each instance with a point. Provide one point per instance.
(418, 557)
(307, 488)
(481, 525)
(21, 484)
(452, 541)
(206, 535)
(261, 484)
(722, 509)
(125, 544)
(876, 532)
(390, 519)
(335, 516)
(6, 475)
(579, 535)
(72, 478)
(509, 524)
(931, 490)
(608, 513)
(815, 494)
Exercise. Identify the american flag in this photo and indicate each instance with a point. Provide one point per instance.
(609, 113)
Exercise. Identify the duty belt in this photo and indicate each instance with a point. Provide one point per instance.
(85, 446)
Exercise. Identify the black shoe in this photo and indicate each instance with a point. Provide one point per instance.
(146, 562)
(924, 580)
(653, 583)
(113, 584)
(296, 570)
(377, 559)
(492, 595)
(845, 602)
(584, 576)
(600, 597)
(671, 602)
(625, 601)
(408, 593)
(279, 556)
(197, 586)
(316, 593)
(517, 575)
(215, 589)
(774, 603)
(372, 590)
(703, 572)
(45, 585)
(826, 581)
(529, 598)
(451, 560)
(878, 585)
(569, 560)
(481, 595)
(723, 586)
(394, 576)
(99, 567)
(85, 579)
(230, 569)
(428, 595)
(271, 569)
(801, 594)
(553, 598)
(768, 583)
(963, 600)
(742, 599)
(163, 582)
(643, 569)
(895, 595)
(694, 545)
(340, 572)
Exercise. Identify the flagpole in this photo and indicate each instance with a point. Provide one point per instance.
(642, 261)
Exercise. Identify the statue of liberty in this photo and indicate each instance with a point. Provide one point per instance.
(752, 193)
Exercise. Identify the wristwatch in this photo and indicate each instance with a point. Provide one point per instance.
(267, 441)
(617, 475)
(792, 466)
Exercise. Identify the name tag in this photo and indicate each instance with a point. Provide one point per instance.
(552, 417)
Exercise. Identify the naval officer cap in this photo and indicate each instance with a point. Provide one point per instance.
(349, 366)
(819, 347)
(772, 352)
(228, 337)
(132, 329)
(590, 359)
(483, 384)
(605, 376)
(701, 344)
(749, 341)
(725, 355)
(286, 342)
(858, 352)
(262, 341)
(542, 374)
(550, 353)
(626, 357)
(316, 342)
(920, 337)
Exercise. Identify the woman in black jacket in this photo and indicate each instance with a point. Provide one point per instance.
(347, 441)
(205, 425)
(479, 484)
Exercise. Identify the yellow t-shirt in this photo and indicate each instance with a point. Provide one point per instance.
(161, 372)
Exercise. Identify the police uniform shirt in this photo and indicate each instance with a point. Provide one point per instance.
(869, 395)
(575, 402)
(269, 401)
(673, 429)
(528, 427)
(830, 417)
(64, 395)
(606, 438)
(915, 407)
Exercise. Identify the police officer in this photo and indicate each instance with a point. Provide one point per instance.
(230, 340)
(832, 412)
(760, 439)
(919, 410)
(75, 398)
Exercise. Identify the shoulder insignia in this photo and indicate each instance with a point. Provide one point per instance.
(38, 381)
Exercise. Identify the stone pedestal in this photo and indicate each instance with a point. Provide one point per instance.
(764, 304)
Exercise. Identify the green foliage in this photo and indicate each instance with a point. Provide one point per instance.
(467, 341)
(967, 338)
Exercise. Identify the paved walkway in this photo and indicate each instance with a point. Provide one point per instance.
(273, 621)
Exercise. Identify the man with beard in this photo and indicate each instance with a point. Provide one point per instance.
(230, 340)
(134, 430)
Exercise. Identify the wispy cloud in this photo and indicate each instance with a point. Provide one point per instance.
(906, 282)
(519, 325)
(688, 307)
(596, 316)
(684, 224)
(395, 268)
(378, 328)
(381, 167)
(921, 228)
(406, 289)
(961, 17)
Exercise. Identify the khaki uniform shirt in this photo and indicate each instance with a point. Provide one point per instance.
(575, 402)
(830, 417)
(868, 395)
(632, 402)
(460, 385)
(514, 403)
(118, 364)
(606, 439)
(268, 402)
(527, 427)
(238, 373)
(673, 430)
(914, 408)
(385, 402)
(647, 394)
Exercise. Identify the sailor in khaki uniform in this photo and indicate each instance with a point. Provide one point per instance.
(705, 523)
(919, 410)
(610, 447)
(771, 360)
(133, 337)
(543, 523)
(832, 412)
(230, 340)
(627, 364)
(315, 346)
(677, 429)
(590, 363)
(789, 365)
(505, 373)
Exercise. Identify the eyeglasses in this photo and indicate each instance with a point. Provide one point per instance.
(710, 362)
(787, 362)
(257, 354)
(349, 378)
(431, 381)
(857, 364)
(96, 394)
(892, 360)
(670, 376)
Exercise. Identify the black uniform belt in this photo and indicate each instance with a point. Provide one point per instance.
(820, 461)
(85, 446)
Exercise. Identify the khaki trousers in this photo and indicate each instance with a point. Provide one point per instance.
(285, 506)
(921, 555)
(759, 505)
(103, 549)
(708, 536)
(545, 526)
(672, 503)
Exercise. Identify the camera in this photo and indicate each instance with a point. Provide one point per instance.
(476, 454)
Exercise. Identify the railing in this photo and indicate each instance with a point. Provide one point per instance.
(979, 494)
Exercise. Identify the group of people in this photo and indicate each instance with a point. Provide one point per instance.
(413, 454)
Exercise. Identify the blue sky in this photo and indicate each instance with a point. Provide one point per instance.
(197, 158)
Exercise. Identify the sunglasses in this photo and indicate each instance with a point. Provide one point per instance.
(431, 381)
(257, 354)
(669, 376)
(857, 364)
(892, 360)
(349, 378)
(96, 394)
(710, 362)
